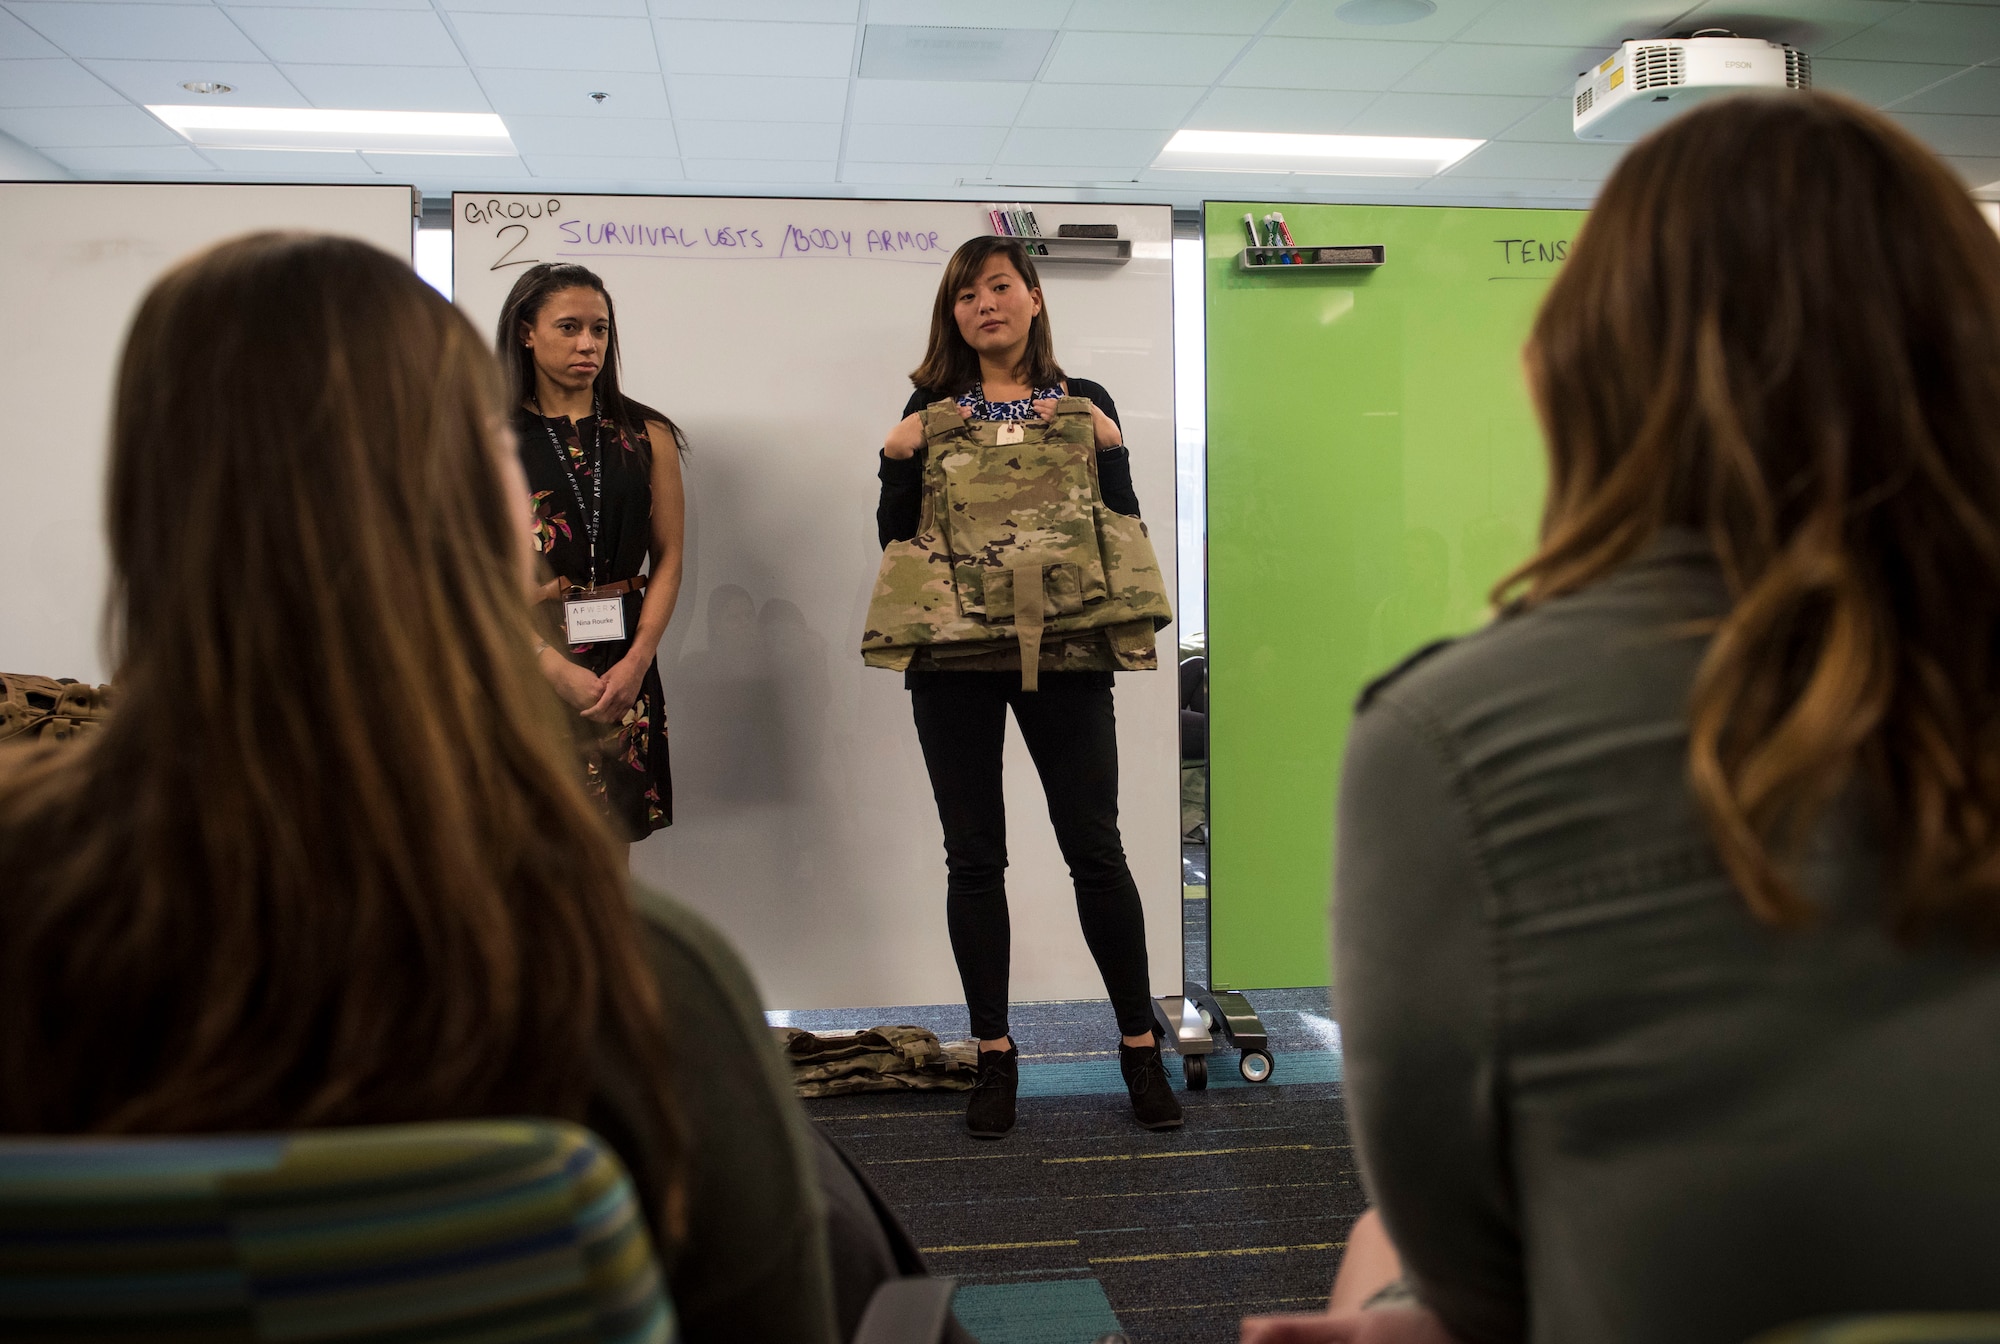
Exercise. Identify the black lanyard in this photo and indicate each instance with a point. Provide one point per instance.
(596, 481)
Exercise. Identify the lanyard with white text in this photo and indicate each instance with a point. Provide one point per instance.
(596, 481)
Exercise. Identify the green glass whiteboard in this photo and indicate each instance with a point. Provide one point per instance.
(1373, 466)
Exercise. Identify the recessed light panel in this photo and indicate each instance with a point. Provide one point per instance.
(921, 51)
(310, 128)
(1334, 155)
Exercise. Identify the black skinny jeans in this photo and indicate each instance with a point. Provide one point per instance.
(1071, 732)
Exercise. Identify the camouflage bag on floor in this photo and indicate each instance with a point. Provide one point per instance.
(50, 708)
(1017, 563)
(881, 1059)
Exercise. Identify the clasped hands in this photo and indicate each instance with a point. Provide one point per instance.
(908, 435)
(604, 699)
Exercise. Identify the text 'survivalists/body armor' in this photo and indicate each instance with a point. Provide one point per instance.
(1017, 563)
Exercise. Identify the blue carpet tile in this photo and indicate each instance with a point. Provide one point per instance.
(1079, 1217)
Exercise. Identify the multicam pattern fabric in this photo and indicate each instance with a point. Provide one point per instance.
(1017, 563)
(625, 768)
(34, 707)
(475, 1232)
(881, 1059)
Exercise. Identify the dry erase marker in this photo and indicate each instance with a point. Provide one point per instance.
(1250, 225)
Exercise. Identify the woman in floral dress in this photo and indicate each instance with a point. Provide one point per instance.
(604, 472)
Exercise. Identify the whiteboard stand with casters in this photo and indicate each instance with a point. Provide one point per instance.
(1191, 1020)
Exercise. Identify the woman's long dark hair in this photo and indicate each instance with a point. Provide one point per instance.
(951, 366)
(1781, 326)
(330, 862)
(524, 305)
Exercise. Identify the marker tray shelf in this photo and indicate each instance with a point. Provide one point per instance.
(1104, 251)
(1343, 258)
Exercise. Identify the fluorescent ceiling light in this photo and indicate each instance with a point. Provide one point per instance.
(333, 128)
(1340, 155)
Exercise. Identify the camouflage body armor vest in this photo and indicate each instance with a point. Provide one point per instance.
(1017, 563)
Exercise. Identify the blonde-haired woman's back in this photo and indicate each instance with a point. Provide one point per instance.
(1666, 905)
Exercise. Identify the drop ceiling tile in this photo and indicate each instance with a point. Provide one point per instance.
(1121, 107)
(971, 13)
(1877, 82)
(1323, 63)
(392, 88)
(1949, 34)
(45, 127)
(601, 168)
(780, 11)
(925, 144)
(757, 98)
(350, 36)
(1502, 158)
(1301, 111)
(898, 102)
(1223, 186)
(1490, 68)
(1810, 25)
(1016, 176)
(1553, 123)
(610, 137)
(556, 42)
(134, 161)
(1597, 24)
(1475, 116)
(1510, 191)
(724, 171)
(53, 83)
(20, 42)
(759, 140)
(1973, 92)
(1170, 16)
(1978, 173)
(251, 85)
(909, 174)
(706, 47)
(615, 9)
(308, 167)
(331, 4)
(466, 169)
(1036, 144)
(1963, 137)
(140, 32)
(560, 93)
(1139, 58)
(1321, 18)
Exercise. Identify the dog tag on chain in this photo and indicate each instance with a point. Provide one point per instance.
(1010, 432)
(592, 620)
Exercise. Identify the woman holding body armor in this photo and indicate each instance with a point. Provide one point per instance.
(992, 358)
(604, 472)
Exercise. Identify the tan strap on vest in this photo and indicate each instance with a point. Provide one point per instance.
(1028, 622)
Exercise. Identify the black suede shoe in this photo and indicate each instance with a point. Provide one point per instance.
(990, 1113)
(1153, 1103)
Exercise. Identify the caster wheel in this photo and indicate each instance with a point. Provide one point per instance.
(1195, 1069)
(1207, 1021)
(1256, 1066)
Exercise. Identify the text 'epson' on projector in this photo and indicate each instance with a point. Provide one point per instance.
(1645, 82)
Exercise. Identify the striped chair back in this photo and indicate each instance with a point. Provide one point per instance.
(476, 1232)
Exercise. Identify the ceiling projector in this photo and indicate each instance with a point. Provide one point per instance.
(1647, 81)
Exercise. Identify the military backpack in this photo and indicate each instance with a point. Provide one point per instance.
(1017, 562)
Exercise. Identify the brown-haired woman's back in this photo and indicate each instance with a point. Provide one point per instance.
(1665, 906)
(327, 865)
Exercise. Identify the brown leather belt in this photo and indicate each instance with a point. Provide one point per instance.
(564, 589)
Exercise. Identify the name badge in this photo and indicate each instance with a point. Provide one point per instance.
(1010, 432)
(591, 620)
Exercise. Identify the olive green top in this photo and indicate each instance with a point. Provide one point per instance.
(1596, 1100)
(754, 1265)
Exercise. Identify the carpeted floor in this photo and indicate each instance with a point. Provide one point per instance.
(1080, 1222)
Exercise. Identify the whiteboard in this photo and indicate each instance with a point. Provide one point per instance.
(780, 335)
(75, 259)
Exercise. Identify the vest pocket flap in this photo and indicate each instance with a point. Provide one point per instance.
(1062, 590)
